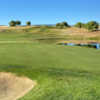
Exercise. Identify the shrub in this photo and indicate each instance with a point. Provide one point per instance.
(12, 23)
(65, 24)
(79, 25)
(18, 22)
(92, 25)
(28, 23)
(62, 25)
(58, 25)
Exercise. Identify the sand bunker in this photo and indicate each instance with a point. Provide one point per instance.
(13, 87)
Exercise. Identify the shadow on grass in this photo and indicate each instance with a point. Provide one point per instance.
(48, 72)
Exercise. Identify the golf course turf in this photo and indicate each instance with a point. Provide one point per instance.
(61, 72)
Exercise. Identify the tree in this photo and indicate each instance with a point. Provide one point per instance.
(92, 25)
(58, 25)
(62, 25)
(79, 25)
(18, 22)
(28, 23)
(12, 23)
(65, 24)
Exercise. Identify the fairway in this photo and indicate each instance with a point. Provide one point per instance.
(61, 72)
(50, 50)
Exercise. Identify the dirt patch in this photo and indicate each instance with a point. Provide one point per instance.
(13, 87)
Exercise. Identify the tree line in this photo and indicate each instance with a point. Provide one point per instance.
(91, 26)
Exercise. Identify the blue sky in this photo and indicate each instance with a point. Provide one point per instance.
(49, 11)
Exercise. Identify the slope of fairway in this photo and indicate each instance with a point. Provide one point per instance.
(62, 72)
(48, 35)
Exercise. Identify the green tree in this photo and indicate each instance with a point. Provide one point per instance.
(62, 25)
(65, 24)
(92, 26)
(79, 25)
(18, 22)
(58, 25)
(28, 23)
(12, 23)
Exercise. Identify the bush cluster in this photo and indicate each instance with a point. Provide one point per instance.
(17, 23)
(91, 26)
(62, 25)
(14, 23)
(28, 23)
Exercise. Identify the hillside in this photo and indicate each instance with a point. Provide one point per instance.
(48, 34)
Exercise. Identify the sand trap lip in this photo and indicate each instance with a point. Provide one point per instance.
(13, 87)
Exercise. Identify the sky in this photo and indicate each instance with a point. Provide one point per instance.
(49, 11)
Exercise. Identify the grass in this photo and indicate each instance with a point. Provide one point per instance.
(46, 35)
(61, 72)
